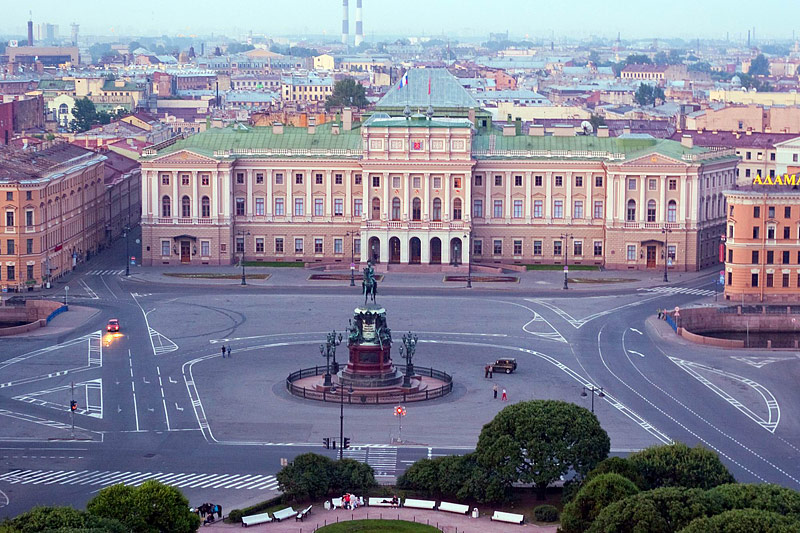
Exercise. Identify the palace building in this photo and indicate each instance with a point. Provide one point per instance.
(413, 188)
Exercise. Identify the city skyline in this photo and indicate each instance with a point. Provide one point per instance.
(681, 18)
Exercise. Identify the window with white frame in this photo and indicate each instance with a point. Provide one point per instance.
(259, 245)
(259, 206)
(477, 208)
(358, 207)
(477, 247)
(338, 246)
(537, 208)
(577, 209)
(631, 252)
(416, 182)
(319, 207)
(278, 178)
(338, 207)
(517, 247)
(517, 209)
(298, 206)
(437, 182)
(577, 248)
(598, 248)
(318, 249)
(537, 247)
(497, 247)
(557, 250)
(357, 247)
(498, 209)
(396, 182)
(279, 207)
(278, 245)
(165, 248)
(558, 209)
(631, 184)
(298, 245)
(205, 248)
(652, 184)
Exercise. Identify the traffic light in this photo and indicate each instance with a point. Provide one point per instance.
(325, 442)
(73, 405)
(346, 443)
(333, 444)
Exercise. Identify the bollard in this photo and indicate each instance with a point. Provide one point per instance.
(769, 344)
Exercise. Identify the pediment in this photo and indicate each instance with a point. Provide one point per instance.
(653, 159)
(184, 157)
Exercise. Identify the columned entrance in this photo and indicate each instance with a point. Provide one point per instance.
(186, 252)
(651, 257)
(455, 251)
(375, 250)
(416, 251)
(436, 251)
(394, 250)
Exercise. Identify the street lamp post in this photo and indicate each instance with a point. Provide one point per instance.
(593, 390)
(243, 234)
(126, 232)
(327, 351)
(341, 416)
(469, 259)
(666, 231)
(407, 350)
(565, 239)
(353, 236)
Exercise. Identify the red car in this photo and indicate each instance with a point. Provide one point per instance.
(113, 325)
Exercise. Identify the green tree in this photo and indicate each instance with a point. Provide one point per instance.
(61, 519)
(759, 66)
(423, 475)
(133, 45)
(595, 495)
(765, 497)
(594, 57)
(663, 510)
(347, 92)
(117, 502)
(539, 441)
(660, 58)
(349, 475)
(597, 120)
(618, 465)
(85, 115)
(637, 59)
(743, 521)
(308, 476)
(677, 465)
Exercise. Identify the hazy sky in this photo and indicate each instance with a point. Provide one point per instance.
(535, 18)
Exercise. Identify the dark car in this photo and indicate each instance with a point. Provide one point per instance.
(507, 365)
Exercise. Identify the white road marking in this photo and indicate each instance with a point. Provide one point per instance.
(636, 331)
(133, 389)
(163, 399)
(158, 342)
(636, 353)
(578, 323)
(678, 290)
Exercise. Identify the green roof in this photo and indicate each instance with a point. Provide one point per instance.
(382, 120)
(445, 92)
(57, 85)
(109, 85)
(237, 140)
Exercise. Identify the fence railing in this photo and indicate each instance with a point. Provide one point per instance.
(671, 322)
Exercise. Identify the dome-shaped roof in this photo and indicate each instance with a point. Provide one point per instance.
(736, 80)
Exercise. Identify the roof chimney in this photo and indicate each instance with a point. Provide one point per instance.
(347, 119)
(687, 141)
(312, 125)
(277, 128)
(509, 130)
(602, 131)
(471, 115)
(626, 130)
(536, 130)
(359, 27)
(564, 130)
(345, 22)
(334, 129)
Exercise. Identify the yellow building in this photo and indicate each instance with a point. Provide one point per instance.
(747, 97)
(529, 113)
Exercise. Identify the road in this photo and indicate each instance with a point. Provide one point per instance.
(158, 400)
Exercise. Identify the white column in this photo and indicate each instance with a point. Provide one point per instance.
(155, 184)
(270, 200)
(287, 182)
(608, 200)
(328, 195)
(508, 208)
(404, 250)
(548, 195)
(447, 209)
(215, 205)
(348, 193)
(225, 195)
(249, 202)
(467, 207)
(195, 196)
(687, 195)
(386, 206)
(426, 198)
(309, 200)
(642, 212)
(425, 250)
(445, 250)
(568, 199)
(487, 200)
(662, 205)
(622, 192)
(176, 201)
(384, 250)
(528, 177)
(406, 212)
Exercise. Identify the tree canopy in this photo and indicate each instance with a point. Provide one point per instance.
(648, 94)
(743, 521)
(61, 519)
(313, 476)
(597, 494)
(759, 66)
(347, 92)
(763, 496)
(85, 115)
(677, 465)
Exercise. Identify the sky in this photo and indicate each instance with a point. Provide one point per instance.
(536, 19)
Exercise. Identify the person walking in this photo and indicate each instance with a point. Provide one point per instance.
(229, 351)
(486, 371)
(491, 372)
(494, 390)
(505, 396)
(223, 351)
(219, 507)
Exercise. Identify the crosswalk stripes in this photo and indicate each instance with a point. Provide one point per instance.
(679, 290)
(105, 478)
(105, 272)
(384, 462)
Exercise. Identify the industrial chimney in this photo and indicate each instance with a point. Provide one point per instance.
(30, 31)
(75, 28)
(345, 22)
(359, 26)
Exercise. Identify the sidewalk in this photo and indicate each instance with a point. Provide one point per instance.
(445, 521)
(77, 316)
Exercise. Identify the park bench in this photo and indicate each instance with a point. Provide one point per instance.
(381, 502)
(454, 507)
(419, 504)
(512, 518)
(284, 514)
(302, 514)
(337, 503)
(255, 519)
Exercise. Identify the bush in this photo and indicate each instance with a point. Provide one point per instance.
(349, 475)
(618, 465)
(677, 465)
(744, 521)
(235, 516)
(311, 476)
(545, 513)
(765, 497)
(595, 495)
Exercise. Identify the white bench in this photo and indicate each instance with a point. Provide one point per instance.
(337, 503)
(302, 514)
(512, 518)
(419, 504)
(255, 519)
(283, 514)
(454, 507)
(381, 502)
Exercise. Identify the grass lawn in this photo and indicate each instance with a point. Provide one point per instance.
(286, 264)
(211, 275)
(561, 267)
(368, 526)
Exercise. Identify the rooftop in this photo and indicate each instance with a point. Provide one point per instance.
(23, 165)
(445, 91)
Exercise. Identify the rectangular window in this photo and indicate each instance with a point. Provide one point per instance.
(338, 207)
(205, 180)
(631, 184)
(357, 247)
(559, 181)
(577, 211)
(10, 219)
(517, 247)
(338, 179)
(517, 181)
(259, 245)
(279, 179)
(517, 208)
(9, 196)
(730, 256)
(558, 209)
(240, 206)
(631, 252)
(279, 207)
(29, 218)
(652, 184)
(537, 208)
(319, 207)
(338, 246)
(29, 195)
(10, 273)
(259, 177)
(769, 280)
(785, 257)
(478, 180)
(239, 178)
(771, 232)
(457, 182)
(477, 247)
(754, 257)
(770, 257)
(29, 246)
(598, 181)
(785, 280)
(298, 179)
(498, 181)
(278, 245)
(537, 247)
(477, 208)
(537, 181)
(673, 185)
(754, 279)
(672, 251)
(771, 211)
(205, 248)
(376, 181)
(748, 155)
(557, 248)
(358, 207)
(298, 206)
(755, 232)
(598, 248)
(184, 179)
(786, 232)
(164, 179)
(298, 246)
(318, 179)
(498, 209)
(577, 248)
(396, 182)
(579, 181)
(437, 182)
(239, 245)
(756, 212)
(787, 212)
(498, 247)
(357, 179)
(417, 182)
(598, 209)
(317, 246)
(260, 207)
(165, 248)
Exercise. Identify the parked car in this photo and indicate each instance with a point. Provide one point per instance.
(506, 364)
(113, 325)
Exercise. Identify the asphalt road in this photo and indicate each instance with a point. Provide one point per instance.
(159, 401)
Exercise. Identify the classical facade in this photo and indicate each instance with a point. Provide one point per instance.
(762, 252)
(424, 189)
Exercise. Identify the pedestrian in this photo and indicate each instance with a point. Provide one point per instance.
(486, 371)
(229, 351)
(491, 371)
(505, 396)
(219, 511)
(223, 351)
(494, 390)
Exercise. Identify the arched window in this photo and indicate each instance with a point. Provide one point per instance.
(651, 211)
(376, 208)
(206, 207)
(720, 211)
(166, 210)
(186, 207)
(457, 209)
(416, 209)
(437, 209)
(396, 209)
(708, 206)
(631, 216)
(63, 109)
(672, 211)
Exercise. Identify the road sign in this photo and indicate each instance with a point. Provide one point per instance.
(566, 269)
(722, 279)
(352, 266)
